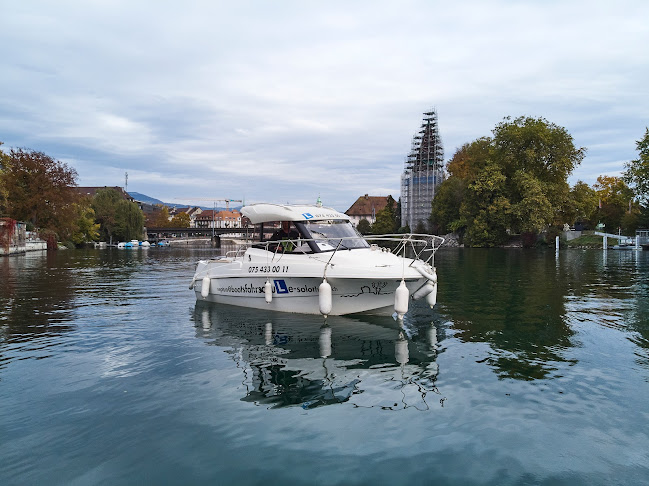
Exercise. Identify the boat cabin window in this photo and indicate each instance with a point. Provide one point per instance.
(309, 236)
(283, 236)
(332, 234)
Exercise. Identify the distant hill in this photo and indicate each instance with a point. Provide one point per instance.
(146, 199)
(152, 200)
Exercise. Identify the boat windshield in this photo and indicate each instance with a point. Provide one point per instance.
(334, 234)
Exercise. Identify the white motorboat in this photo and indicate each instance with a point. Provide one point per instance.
(321, 264)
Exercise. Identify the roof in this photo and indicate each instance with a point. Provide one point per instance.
(232, 214)
(365, 204)
(262, 213)
(206, 214)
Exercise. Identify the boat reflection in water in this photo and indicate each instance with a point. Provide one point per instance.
(307, 361)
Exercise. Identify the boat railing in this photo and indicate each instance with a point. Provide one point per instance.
(418, 244)
(398, 243)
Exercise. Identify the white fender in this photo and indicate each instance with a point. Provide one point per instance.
(432, 337)
(431, 298)
(268, 292)
(268, 333)
(431, 276)
(205, 288)
(325, 342)
(401, 353)
(325, 298)
(424, 290)
(401, 297)
(205, 319)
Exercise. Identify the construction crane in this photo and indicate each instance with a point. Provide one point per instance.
(213, 199)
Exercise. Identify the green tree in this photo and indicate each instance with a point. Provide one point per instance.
(543, 152)
(470, 159)
(536, 146)
(486, 208)
(514, 182)
(616, 200)
(582, 204)
(129, 221)
(637, 171)
(40, 190)
(533, 210)
(4, 193)
(180, 220)
(161, 218)
(86, 229)
(445, 211)
(104, 204)
(397, 215)
(421, 228)
(386, 219)
(364, 227)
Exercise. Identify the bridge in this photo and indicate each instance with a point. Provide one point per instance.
(621, 239)
(613, 235)
(154, 235)
(188, 232)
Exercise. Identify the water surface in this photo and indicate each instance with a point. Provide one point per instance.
(532, 369)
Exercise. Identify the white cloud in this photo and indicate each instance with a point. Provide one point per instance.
(294, 99)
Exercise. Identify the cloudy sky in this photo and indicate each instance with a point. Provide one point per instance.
(288, 100)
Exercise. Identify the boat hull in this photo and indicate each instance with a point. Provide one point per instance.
(301, 294)
(362, 281)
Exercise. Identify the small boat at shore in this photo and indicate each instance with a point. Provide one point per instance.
(133, 244)
(315, 262)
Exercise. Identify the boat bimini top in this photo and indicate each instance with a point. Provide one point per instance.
(263, 213)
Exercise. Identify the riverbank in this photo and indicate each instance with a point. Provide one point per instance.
(568, 240)
(24, 247)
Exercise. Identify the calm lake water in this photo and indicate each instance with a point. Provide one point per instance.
(532, 369)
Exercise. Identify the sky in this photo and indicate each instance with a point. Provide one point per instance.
(289, 101)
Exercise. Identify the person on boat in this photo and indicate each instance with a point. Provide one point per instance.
(285, 233)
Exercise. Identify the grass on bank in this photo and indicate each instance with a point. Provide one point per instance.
(586, 241)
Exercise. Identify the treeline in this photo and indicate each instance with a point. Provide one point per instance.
(41, 191)
(516, 182)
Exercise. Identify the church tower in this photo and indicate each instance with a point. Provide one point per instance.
(423, 173)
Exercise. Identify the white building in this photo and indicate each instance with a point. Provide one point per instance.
(209, 218)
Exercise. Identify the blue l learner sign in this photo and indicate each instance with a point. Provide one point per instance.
(280, 287)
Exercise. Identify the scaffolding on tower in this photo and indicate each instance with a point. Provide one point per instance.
(423, 173)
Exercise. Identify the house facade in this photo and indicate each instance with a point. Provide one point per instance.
(208, 218)
(366, 207)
